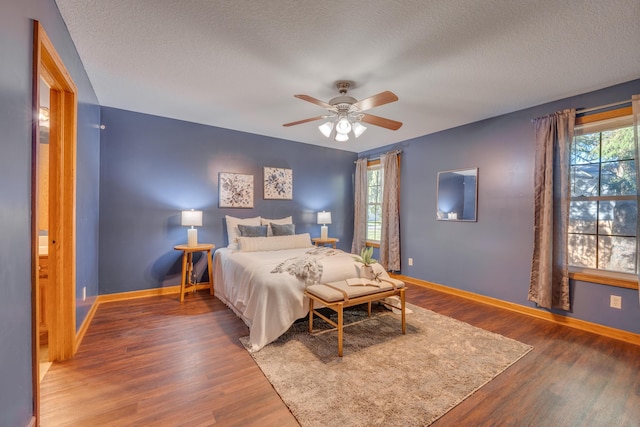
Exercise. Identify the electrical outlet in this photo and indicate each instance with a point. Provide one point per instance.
(410, 261)
(84, 293)
(615, 301)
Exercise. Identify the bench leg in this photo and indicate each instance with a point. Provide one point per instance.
(310, 315)
(339, 310)
(402, 306)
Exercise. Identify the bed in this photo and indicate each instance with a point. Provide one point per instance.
(262, 279)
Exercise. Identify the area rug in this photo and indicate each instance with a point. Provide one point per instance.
(385, 378)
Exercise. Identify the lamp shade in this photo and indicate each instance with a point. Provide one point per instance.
(192, 218)
(358, 129)
(343, 126)
(341, 137)
(324, 217)
(326, 128)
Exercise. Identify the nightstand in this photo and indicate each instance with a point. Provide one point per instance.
(187, 268)
(319, 241)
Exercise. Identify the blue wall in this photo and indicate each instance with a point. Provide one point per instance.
(16, 41)
(492, 256)
(154, 167)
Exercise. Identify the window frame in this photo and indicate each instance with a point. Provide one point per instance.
(373, 164)
(604, 277)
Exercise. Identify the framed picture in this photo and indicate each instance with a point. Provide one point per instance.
(278, 183)
(235, 190)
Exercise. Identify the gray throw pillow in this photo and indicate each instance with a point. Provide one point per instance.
(252, 230)
(283, 229)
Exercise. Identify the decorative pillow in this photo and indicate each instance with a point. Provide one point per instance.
(267, 221)
(232, 228)
(275, 243)
(252, 230)
(283, 229)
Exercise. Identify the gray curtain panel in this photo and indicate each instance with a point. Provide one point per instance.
(549, 285)
(360, 207)
(390, 238)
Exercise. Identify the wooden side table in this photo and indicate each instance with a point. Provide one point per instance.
(187, 268)
(319, 241)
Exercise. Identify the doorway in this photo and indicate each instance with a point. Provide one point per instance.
(42, 212)
(53, 217)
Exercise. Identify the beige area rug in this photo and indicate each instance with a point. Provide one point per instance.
(385, 378)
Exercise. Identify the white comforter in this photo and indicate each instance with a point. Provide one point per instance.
(265, 289)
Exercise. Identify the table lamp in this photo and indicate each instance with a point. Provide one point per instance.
(324, 218)
(194, 219)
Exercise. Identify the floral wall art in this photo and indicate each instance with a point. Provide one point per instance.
(278, 183)
(235, 190)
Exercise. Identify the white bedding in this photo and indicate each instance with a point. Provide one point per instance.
(263, 290)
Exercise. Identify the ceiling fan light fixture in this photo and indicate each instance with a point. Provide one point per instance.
(342, 137)
(358, 128)
(343, 126)
(345, 113)
(326, 128)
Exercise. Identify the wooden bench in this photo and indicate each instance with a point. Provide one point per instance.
(350, 292)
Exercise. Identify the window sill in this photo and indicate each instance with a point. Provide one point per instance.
(372, 243)
(620, 280)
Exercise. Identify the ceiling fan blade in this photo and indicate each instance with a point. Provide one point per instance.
(381, 121)
(315, 101)
(376, 100)
(303, 121)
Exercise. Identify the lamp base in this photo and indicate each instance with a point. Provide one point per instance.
(324, 232)
(192, 237)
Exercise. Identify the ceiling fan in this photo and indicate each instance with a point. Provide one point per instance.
(346, 113)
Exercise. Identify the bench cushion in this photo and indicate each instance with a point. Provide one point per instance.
(354, 288)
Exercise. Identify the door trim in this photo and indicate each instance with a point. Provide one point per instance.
(61, 310)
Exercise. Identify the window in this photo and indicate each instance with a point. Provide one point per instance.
(603, 210)
(374, 202)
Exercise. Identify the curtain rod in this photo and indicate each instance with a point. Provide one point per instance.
(584, 111)
(602, 107)
(379, 155)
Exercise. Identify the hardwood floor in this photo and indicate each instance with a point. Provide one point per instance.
(155, 362)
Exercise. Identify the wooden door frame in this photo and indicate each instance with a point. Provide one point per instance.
(61, 310)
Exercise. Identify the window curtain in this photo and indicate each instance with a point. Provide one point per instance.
(635, 105)
(549, 286)
(390, 237)
(360, 207)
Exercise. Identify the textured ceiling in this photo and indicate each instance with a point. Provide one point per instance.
(237, 64)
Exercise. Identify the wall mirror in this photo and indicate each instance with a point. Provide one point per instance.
(457, 194)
